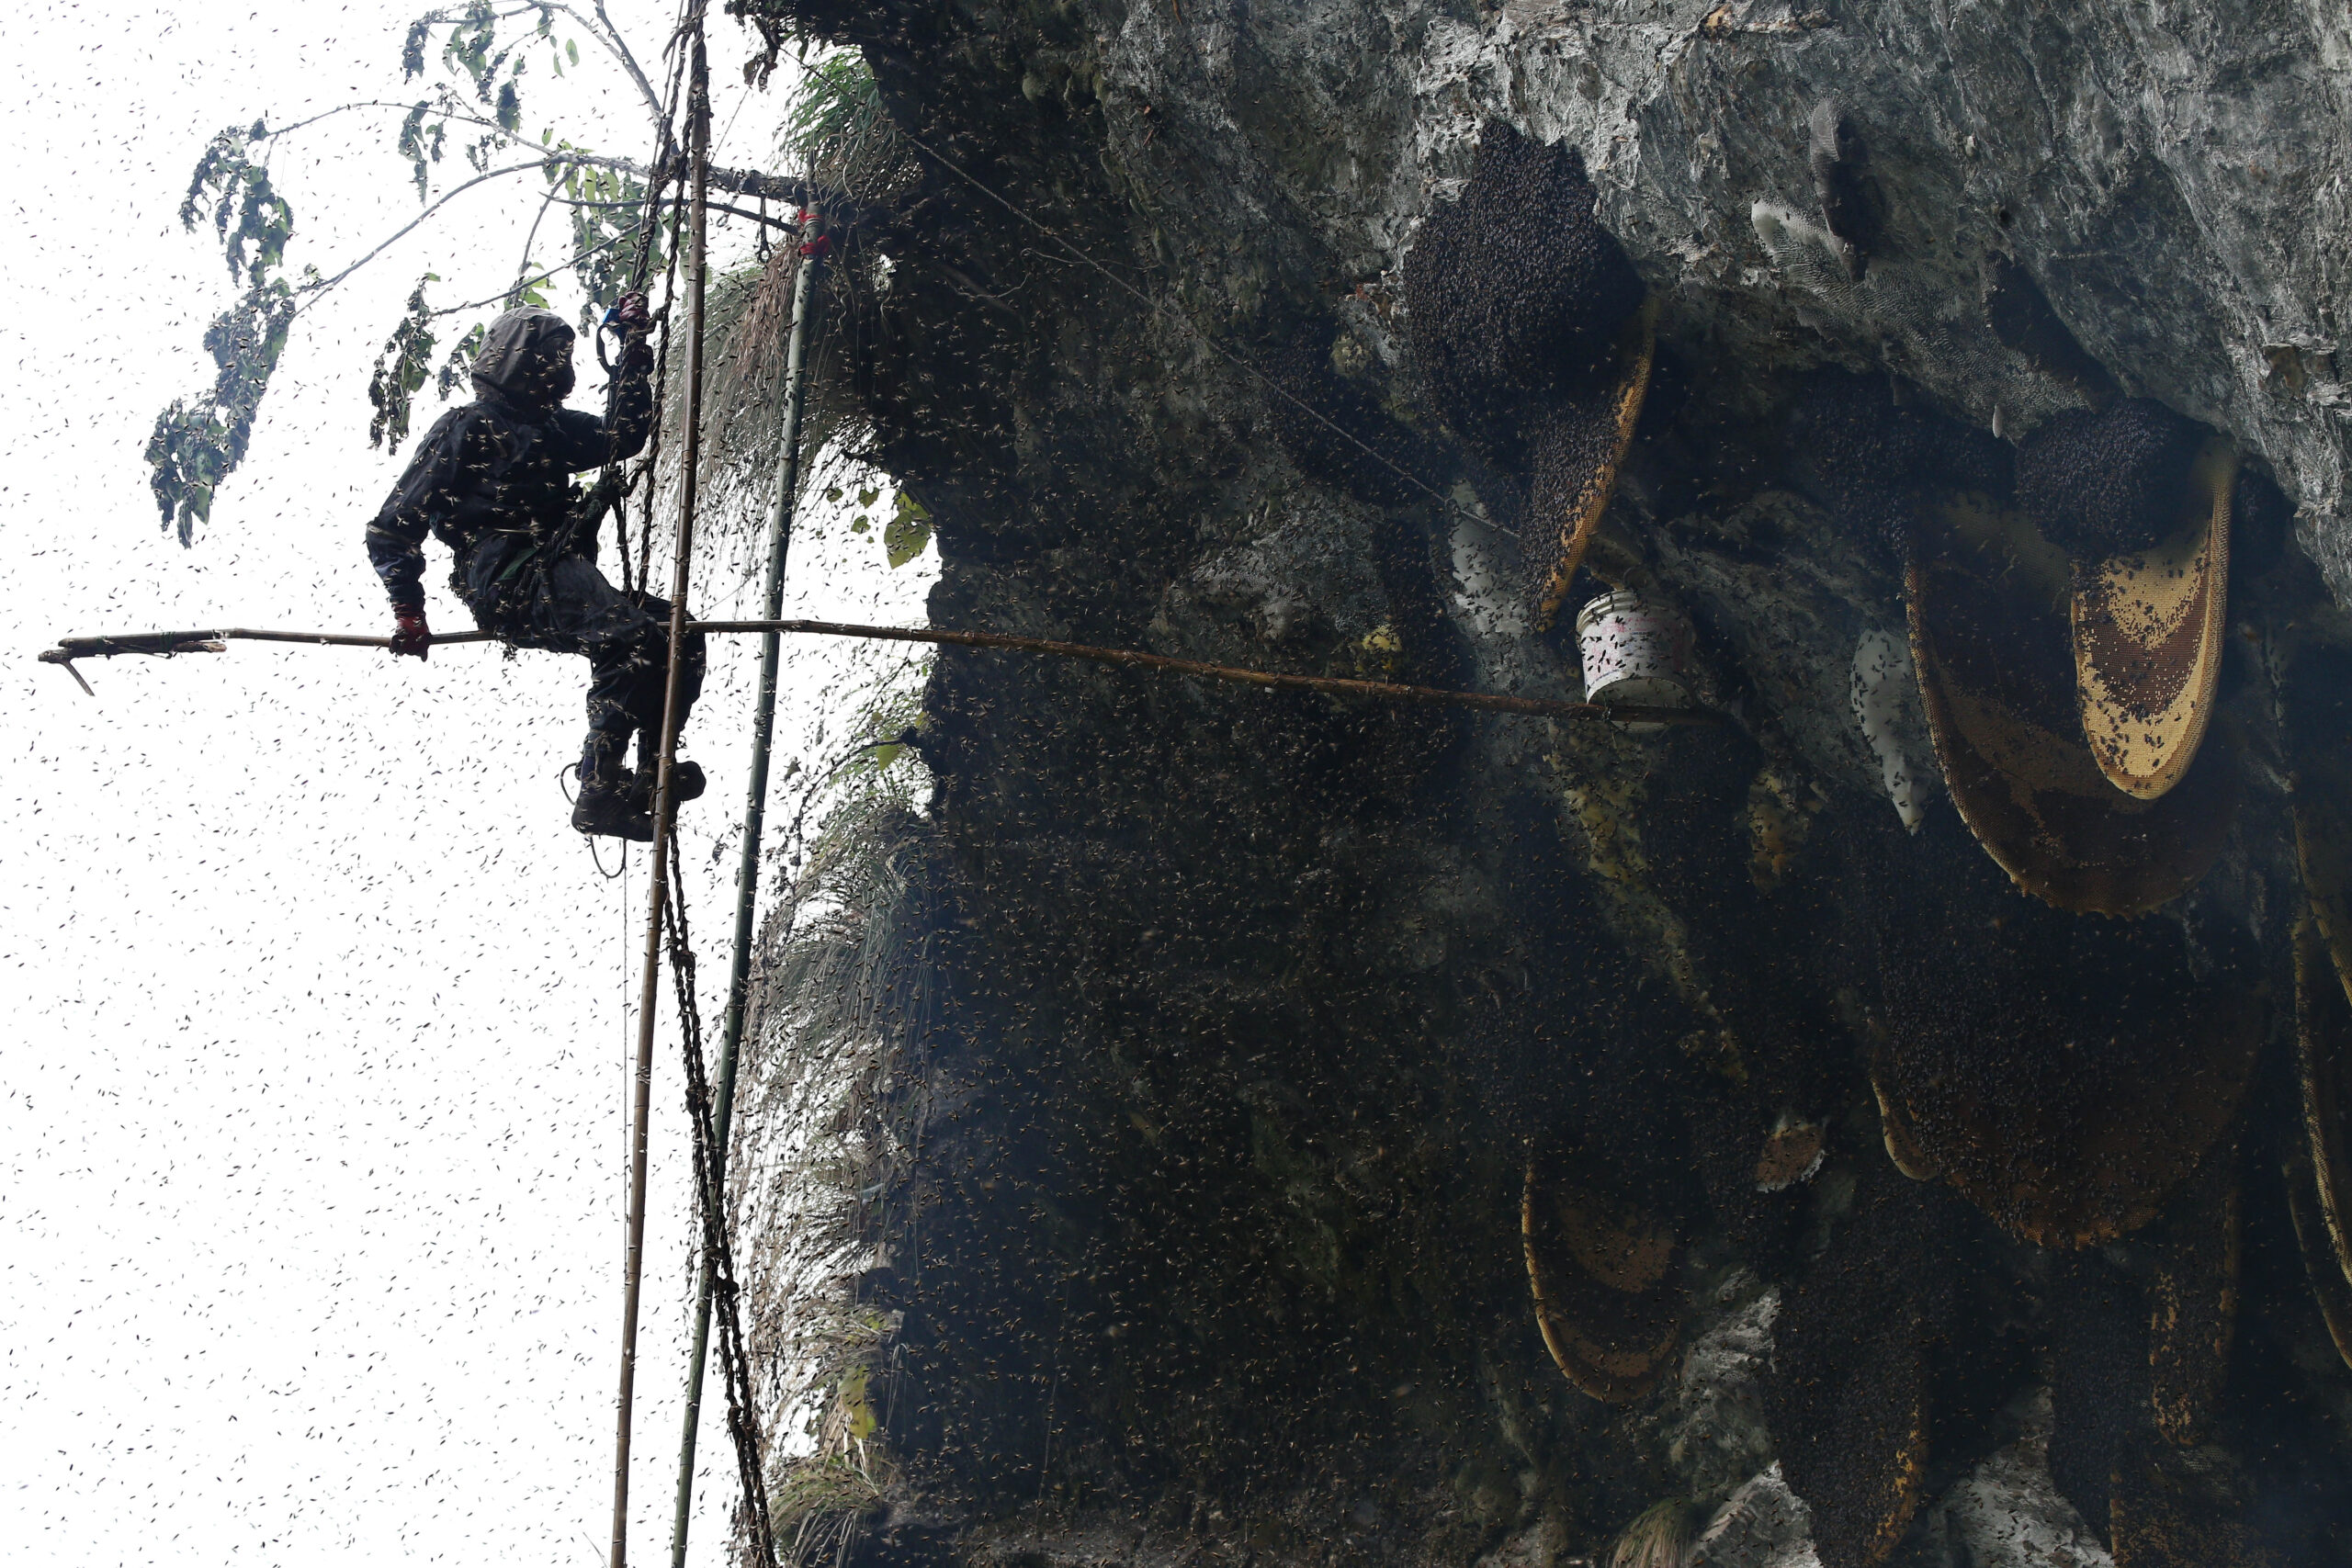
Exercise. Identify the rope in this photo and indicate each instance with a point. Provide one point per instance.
(664, 795)
(608, 492)
(718, 1243)
(70, 648)
(697, 64)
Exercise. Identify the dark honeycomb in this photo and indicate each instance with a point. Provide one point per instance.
(2106, 483)
(1606, 1264)
(2192, 1300)
(1849, 1400)
(2021, 317)
(2066, 1071)
(2181, 1509)
(1574, 439)
(2098, 1379)
(1515, 291)
(1727, 1127)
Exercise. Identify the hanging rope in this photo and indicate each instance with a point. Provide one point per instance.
(718, 1240)
(612, 490)
(649, 465)
(664, 787)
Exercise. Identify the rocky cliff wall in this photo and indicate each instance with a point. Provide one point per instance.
(1266, 1025)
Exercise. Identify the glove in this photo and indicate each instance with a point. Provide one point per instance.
(412, 635)
(631, 317)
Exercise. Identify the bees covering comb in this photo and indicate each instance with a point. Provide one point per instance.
(1996, 676)
(1530, 328)
(2147, 629)
(1849, 1400)
(2064, 1075)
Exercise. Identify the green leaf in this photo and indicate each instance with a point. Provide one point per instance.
(572, 52)
(909, 532)
(195, 446)
(869, 497)
(401, 369)
(254, 221)
(421, 143)
(459, 367)
(860, 525)
(885, 755)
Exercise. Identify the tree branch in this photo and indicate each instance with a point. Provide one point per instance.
(606, 243)
(608, 37)
(743, 182)
(773, 222)
(532, 239)
(315, 290)
(618, 47)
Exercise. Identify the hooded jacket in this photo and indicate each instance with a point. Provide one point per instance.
(496, 471)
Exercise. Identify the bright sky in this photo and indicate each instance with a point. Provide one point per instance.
(315, 1158)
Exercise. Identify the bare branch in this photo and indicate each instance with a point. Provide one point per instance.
(532, 238)
(613, 41)
(315, 290)
(743, 182)
(521, 283)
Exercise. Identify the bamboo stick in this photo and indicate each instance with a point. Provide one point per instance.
(73, 648)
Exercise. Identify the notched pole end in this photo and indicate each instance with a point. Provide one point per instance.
(58, 656)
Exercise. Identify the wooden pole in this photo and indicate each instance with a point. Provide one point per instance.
(73, 648)
(648, 993)
(747, 867)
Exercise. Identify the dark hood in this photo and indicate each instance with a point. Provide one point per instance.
(526, 358)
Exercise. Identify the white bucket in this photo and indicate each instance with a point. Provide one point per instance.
(1636, 653)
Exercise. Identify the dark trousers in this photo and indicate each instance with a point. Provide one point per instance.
(567, 606)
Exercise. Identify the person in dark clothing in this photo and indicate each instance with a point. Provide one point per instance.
(491, 481)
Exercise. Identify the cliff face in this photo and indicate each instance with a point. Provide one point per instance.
(1265, 1025)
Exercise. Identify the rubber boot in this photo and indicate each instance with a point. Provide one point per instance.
(686, 781)
(608, 806)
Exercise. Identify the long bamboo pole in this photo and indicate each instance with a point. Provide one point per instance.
(690, 462)
(747, 866)
(70, 649)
